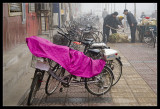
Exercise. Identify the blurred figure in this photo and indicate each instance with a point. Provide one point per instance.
(111, 21)
(97, 19)
(154, 14)
(132, 23)
(104, 14)
(143, 15)
(119, 21)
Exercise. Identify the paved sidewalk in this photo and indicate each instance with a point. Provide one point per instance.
(137, 86)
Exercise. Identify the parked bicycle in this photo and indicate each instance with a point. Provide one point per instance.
(102, 82)
(150, 36)
(96, 50)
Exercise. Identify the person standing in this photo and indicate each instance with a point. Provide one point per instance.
(143, 15)
(111, 21)
(119, 21)
(132, 23)
(104, 14)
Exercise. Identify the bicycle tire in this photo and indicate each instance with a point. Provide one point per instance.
(154, 38)
(116, 77)
(149, 39)
(110, 75)
(49, 90)
(97, 39)
(100, 35)
(117, 74)
(34, 87)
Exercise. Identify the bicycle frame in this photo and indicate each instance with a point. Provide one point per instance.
(71, 82)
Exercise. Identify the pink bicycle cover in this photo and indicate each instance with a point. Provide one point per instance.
(75, 62)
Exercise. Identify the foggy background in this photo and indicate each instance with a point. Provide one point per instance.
(97, 8)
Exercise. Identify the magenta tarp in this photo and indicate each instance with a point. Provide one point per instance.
(75, 62)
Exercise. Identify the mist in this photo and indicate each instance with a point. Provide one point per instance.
(97, 8)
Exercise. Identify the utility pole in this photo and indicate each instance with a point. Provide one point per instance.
(111, 7)
(106, 6)
(135, 10)
(125, 16)
(114, 7)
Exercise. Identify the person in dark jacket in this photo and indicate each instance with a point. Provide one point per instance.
(111, 21)
(132, 23)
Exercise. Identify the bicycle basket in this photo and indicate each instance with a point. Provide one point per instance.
(40, 63)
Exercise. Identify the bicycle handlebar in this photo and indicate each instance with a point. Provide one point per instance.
(60, 29)
(64, 36)
(71, 39)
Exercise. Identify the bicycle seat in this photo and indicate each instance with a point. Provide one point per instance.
(99, 45)
(86, 42)
(89, 39)
(85, 31)
(94, 51)
(81, 29)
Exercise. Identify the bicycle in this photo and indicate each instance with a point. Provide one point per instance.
(99, 81)
(149, 36)
(84, 31)
(37, 79)
(48, 90)
(96, 50)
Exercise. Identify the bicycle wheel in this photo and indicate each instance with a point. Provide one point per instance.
(52, 83)
(96, 37)
(116, 67)
(87, 35)
(34, 88)
(154, 38)
(100, 84)
(149, 39)
(100, 35)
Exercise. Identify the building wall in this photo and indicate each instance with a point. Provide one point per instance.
(14, 32)
(32, 23)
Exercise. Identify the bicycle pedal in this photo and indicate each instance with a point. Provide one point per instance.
(61, 89)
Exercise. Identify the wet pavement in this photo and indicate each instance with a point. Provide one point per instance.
(137, 86)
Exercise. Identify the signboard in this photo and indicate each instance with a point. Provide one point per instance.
(55, 8)
(62, 12)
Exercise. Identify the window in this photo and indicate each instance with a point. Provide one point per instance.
(15, 9)
(42, 6)
(31, 7)
(45, 6)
